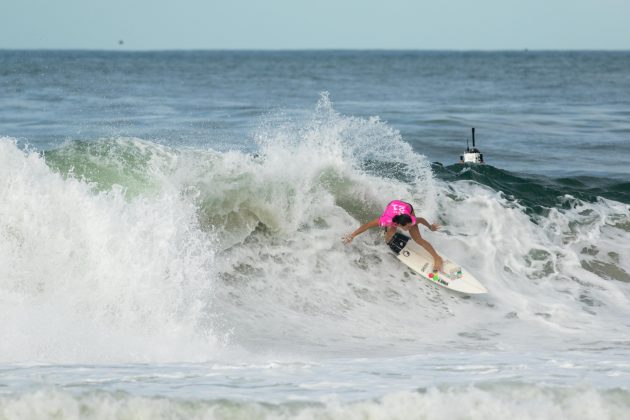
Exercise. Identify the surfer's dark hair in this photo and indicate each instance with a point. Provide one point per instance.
(402, 219)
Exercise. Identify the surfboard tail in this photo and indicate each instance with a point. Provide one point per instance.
(398, 242)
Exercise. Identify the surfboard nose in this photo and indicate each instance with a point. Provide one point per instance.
(470, 286)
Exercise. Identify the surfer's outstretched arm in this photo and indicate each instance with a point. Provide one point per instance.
(371, 224)
(415, 234)
(432, 227)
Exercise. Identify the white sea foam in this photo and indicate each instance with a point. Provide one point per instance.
(305, 291)
(213, 244)
(92, 276)
(487, 402)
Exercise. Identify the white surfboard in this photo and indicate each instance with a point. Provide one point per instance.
(452, 276)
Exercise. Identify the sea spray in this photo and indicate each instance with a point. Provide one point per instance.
(302, 287)
(88, 275)
(188, 245)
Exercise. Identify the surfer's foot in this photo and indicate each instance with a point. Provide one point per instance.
(437, 264)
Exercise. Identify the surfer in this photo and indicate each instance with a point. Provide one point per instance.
(399, 214)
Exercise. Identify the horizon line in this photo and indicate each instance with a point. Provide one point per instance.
(124, 50)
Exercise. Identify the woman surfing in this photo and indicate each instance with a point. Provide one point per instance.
(399, 214)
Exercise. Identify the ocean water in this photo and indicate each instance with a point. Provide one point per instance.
(170, 228)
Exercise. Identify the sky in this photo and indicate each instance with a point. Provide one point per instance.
(315, 24)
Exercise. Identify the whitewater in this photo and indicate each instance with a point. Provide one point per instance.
(144, 278)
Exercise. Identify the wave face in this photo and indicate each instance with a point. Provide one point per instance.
(125, 250)
(538, 193)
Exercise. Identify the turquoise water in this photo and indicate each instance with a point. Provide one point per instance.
(170, 230)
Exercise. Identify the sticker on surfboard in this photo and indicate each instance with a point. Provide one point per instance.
(452, 276)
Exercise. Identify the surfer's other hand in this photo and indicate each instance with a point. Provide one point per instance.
(347, 239)
(435, 226)
(437, 263)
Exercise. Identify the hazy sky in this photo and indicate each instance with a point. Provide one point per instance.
(296, 24)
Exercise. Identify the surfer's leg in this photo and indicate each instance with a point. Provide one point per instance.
(389, 233)
(415, 235)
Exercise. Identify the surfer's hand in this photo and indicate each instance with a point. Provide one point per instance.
(437, 263)
(347, 239)
(435, 226)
